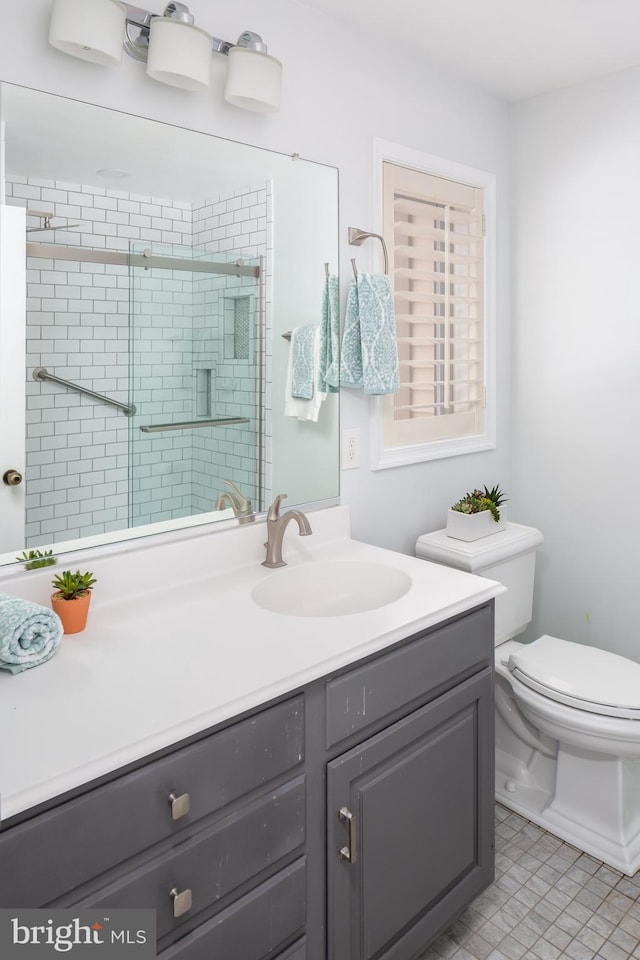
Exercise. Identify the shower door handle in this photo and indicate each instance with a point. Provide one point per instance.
(12, 478)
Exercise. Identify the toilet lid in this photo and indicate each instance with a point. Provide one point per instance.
(580, 676)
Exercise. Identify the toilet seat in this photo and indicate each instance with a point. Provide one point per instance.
(586, 678)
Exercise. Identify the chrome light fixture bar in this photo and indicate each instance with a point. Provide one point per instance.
(176, 51)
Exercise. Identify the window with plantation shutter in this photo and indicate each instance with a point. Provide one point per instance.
(435, 229)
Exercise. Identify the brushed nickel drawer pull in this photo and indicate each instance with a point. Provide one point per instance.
(180, 805)
(349, 853)
(181, 901)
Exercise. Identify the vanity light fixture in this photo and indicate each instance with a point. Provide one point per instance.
(176, 51)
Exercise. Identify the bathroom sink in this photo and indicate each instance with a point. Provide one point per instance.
(337, 588)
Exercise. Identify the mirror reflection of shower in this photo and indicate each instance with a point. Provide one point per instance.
(46, 222)
(145, 303)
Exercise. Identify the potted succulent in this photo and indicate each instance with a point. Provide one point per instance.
(37, 558)
(71, 599)
(478, 514)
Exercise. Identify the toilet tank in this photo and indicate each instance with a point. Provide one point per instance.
(508, 557)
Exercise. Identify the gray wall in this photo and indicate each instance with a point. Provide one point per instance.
(577, 345)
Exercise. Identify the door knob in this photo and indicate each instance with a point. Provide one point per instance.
(12, 478)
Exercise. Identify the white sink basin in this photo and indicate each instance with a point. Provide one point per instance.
(337, 588)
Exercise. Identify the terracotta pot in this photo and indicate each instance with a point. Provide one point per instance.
(73, 613)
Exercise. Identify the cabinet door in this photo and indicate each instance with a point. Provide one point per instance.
(412, 809)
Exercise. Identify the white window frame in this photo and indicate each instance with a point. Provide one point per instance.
(386, 457)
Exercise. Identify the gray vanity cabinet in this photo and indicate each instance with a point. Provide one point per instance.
(407, 843)
(372, 787)
(211, 836)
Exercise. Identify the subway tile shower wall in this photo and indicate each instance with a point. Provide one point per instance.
(89, 468)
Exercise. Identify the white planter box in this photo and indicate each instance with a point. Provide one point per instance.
(474, 526)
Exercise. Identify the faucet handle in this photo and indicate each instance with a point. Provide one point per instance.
(242, 506)
(243, 503)
(274, 509)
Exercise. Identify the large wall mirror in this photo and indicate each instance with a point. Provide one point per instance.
(149, 275)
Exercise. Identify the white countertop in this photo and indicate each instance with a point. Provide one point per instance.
(192, 649)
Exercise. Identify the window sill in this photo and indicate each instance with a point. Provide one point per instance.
(385, 459)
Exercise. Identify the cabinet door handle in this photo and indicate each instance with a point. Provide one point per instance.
(182, 901)
(349, 853)
(180, 805)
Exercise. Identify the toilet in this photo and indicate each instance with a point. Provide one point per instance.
(567, 715)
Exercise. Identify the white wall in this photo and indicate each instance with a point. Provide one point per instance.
(341, 89)
(577, 355)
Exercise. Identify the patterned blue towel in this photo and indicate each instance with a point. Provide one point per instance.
(329, 365)
(29, 634)
(302, 369)
(351, 359)
(369, 345)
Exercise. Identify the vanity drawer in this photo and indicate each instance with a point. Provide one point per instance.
(296, 952)
(255, 926)
(370, 693)
(57, 851)
(213, 862)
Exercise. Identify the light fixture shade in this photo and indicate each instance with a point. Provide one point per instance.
(253, 80)
(179, 54)
(89, 29)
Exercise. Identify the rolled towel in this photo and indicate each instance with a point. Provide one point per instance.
(29, 633)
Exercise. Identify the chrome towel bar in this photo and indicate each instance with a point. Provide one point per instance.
(193, 424)
(41, 373)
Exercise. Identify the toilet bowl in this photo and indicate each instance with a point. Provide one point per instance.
(567, 715)
(579, 774)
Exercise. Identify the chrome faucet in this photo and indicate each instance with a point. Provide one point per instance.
(240, 504)
(276, 525)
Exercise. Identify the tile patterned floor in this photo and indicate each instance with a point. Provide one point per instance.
(549, 901)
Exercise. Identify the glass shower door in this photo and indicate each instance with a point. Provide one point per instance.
(196, 379)
(12, 379)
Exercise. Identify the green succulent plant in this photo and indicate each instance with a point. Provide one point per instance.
(70, 586)
(495, 495)
(37, 558)
(478, 500)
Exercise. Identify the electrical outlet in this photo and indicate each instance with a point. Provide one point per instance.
(350, 449)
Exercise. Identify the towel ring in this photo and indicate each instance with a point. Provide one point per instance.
(357, 235)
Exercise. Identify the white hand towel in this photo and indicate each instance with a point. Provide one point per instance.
(303, 369)
(294, 406)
